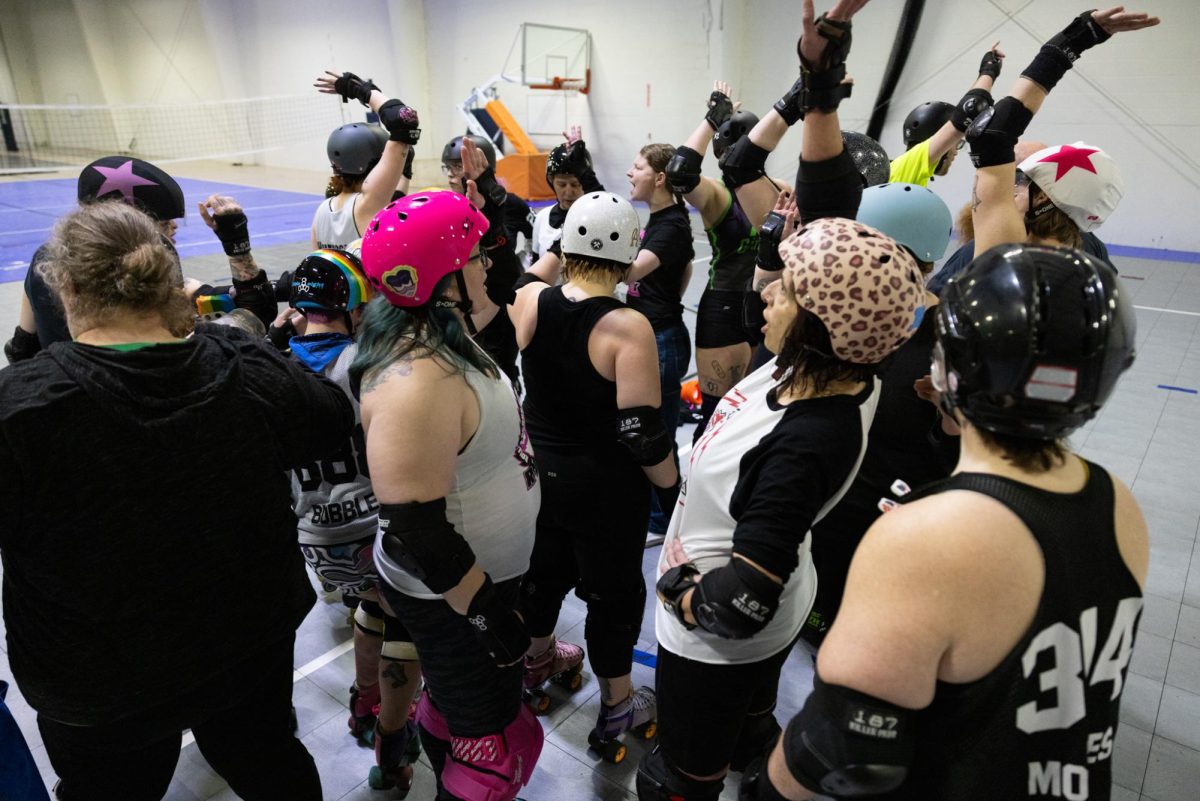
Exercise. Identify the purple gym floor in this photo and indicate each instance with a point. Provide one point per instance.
(28, 210)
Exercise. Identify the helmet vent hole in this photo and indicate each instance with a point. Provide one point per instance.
(614, 236)
(402, 215)
(417, 201)
(885, 258)
(583, 230)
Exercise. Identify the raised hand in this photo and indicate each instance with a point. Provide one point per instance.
(813, 42)
(574, 135)
(1117, 19)
(992, 61)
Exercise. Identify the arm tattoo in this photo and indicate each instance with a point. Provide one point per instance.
(401, 367)
(394, 672)
(975, 195)
(243, 267)
(764, 282)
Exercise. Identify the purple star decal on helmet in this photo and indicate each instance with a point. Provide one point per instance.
(121, 179)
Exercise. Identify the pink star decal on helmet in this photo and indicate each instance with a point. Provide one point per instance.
(121, 179)
(1068, 157)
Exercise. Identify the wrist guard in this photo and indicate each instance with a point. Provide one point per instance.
(837, 33)
(822, 91)
(720, 109)
(770, 236)
(234, 232)
(736, 601)
(1083, 33)
(408, 162)
(419, 539)
(994, 134)
(490, 188)
(971, 106)
(349, 85)
(401, 122)
(497, 625)
(990, 65)
(673, 585)
(22, 346)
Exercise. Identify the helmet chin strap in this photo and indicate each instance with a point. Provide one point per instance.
(464, 305)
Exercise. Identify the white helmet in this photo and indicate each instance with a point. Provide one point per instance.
(604, 226)
(1081, 181)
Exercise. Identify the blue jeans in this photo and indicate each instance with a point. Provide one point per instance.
(674, 355)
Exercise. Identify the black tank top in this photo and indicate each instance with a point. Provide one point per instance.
(567, 403)
(499, 339)
(734, 242)
(1041, 725)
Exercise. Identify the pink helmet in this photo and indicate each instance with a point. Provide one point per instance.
(1082, 181)
(414, 242)
(865, 288)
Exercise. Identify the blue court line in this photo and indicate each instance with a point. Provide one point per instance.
(1155, 254)
(643, 658)
(1179, 389)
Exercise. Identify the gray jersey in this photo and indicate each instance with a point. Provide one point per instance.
(333, 497)
(336, 229)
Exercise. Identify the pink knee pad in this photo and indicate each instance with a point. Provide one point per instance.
(430, 718)
(494, 767)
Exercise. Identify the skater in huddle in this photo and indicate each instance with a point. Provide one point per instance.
(598, 457)
(458, 494)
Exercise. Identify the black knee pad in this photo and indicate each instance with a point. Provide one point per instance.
(659, 780)
(743, 163)
(758, 736)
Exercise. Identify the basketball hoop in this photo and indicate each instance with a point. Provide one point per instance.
(559, 84)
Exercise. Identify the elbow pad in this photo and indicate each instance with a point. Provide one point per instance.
(401, 122)
(736, 601)
(683, 170)
(973, 103)
(846, 744)
(993, 135)
(421, 541)
(642, 433)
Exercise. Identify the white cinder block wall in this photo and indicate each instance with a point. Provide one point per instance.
(652, 67)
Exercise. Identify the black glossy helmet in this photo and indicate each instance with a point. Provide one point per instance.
(330, 280)
(139, 183)
(733, 129)
(925, 120)
(355, 148)
(869, 157)
(453, 149)
(558, 162)
(1032, 340)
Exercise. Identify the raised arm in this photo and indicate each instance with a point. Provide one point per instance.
(707, 196)
(993, 136)
(977, 98)
(251, 288)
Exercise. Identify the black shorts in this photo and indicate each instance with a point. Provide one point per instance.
(719, 319)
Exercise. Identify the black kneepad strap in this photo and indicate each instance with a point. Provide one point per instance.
(419, 538)
(994, 134)
(683, 170)
(743, 163)
(972, 104)
(402, 123)
(847, 743)
(641, 431)
(736, 601)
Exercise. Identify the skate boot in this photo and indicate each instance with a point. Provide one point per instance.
(560, 664)
(364, 709)
(637, 713)
(395, 753)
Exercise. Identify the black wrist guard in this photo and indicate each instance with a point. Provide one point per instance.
(971, 106)
(673, 585)
(401, 122)
(990, 65)
(408, 162)
(22, 346)
(490, 188)
(994, 134)
(349, 85)
(822, 91)
(1083, 33)
(280, 336)
(770, 236)
(234, 232)
(720, 109)
(497, 625)
(837, 33)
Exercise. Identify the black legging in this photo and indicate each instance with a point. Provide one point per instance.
(591, 536)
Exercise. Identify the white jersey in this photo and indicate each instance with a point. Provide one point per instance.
(495, 498)
(758, 458)
(336, 229)
(544, 234)
(332, 497)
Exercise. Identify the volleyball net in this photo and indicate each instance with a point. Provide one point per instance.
(50, 137)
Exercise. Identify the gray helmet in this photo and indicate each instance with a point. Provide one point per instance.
(453, 149)
(355, 148)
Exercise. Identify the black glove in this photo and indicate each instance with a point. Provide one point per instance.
(349, 85)
(233, 229)
(673, 585)
(490, 188)
(280, 335)
(22, 346)
(720, 109)
(990, 65)
(257, 295)
(497, 625)
(408, 162)
(770, 236)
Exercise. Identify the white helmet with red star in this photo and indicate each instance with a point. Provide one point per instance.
(1080, 180)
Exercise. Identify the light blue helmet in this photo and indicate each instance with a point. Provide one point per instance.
(910, 214)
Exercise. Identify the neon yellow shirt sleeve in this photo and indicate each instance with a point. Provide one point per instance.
(913, 167)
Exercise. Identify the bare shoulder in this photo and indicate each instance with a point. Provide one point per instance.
(1133, 536)
(411, 380)
(625, 322)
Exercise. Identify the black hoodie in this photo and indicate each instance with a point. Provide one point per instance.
(145, 518)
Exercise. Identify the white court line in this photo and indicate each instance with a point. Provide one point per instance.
(1168, 311)
(299, 673)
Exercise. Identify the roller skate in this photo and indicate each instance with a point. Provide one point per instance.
(395, 753)
(560, 664)
(364, 709)
(637, 713)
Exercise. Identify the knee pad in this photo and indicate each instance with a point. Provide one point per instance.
(615, 610)
(369, 618)
(743, 163)
(496, 766)
(659, 780)
(758, 736)
(397, 642)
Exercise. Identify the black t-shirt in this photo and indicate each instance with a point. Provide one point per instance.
(659, 295)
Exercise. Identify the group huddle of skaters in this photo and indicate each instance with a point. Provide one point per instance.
(972, 642)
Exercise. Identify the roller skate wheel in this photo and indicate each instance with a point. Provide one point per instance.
(615, 754)
(379, 780)
(648, 730)
(572, 681)
(611, 751)
(539, 701)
